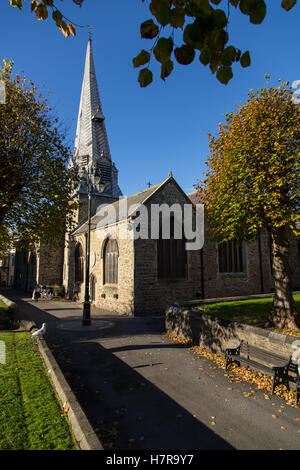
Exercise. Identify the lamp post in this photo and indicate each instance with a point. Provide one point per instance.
(86, 314)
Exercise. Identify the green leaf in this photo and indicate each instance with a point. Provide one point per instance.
(258, 15)
(166, 69)
(219, 18)
(220, 39)
(149, 29)
(177, 18)
(224, 74)
(164, 14)
(256, 9)
(246, 6)
(245, 59)
(184, 54)
(141, 59)
(194, 35)
(163, 49)
(228, 55)
(145, 77)
(206, 55)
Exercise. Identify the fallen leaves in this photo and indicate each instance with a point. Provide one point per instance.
(262, 381)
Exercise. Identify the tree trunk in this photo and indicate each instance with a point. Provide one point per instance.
(283, 314)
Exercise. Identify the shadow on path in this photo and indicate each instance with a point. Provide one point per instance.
(126, 409)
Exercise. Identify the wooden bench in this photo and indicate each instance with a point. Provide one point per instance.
(253, 357)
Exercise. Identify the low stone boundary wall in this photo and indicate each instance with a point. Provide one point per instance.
(8, 316)
(217, 334)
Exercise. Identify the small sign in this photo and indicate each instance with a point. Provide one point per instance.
(2, 353)
(2, 92)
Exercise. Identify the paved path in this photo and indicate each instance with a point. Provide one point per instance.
(142, 391)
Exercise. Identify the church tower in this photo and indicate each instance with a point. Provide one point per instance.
(91, 151)
(91, 160)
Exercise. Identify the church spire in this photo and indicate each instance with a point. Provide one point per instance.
(91, 137)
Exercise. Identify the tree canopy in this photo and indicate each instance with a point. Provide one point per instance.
(202, 27)
(252, 182)
(35, 185)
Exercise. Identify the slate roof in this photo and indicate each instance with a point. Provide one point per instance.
(100, 221)
(196, 197)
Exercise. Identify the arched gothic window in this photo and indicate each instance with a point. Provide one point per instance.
(171, 255)
(79, 263)
(110, 259)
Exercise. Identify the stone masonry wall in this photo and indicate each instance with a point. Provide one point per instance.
(113, 298)
(50, 265)
(218, 284)
(217, 334)
(152, 295)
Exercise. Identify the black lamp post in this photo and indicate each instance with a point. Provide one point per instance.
(86, 314)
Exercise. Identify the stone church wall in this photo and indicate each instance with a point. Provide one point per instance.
(152, 294)
(217, 285)
(112, 298)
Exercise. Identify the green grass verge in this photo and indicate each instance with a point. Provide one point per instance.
(30, 415)
(251, 312)
(3, 305)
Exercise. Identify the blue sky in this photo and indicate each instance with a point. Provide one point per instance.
(162, 127)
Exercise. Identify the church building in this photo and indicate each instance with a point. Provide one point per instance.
(134, 274)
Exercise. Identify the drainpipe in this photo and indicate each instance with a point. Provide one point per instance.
(260, 263)
(202, 272)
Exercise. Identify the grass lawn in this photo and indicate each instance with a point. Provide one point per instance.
(251, 312)
(3, 305)
(30, 415)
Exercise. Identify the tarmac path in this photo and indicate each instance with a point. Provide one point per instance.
(140, 390)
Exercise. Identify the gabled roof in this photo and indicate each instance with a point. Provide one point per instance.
(138, 199)
(133, 201)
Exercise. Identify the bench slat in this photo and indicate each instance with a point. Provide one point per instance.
(255, 365)
(266, 356)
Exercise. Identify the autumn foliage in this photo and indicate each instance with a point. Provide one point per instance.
(35, 185)
(253, 183)
(179, 30)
